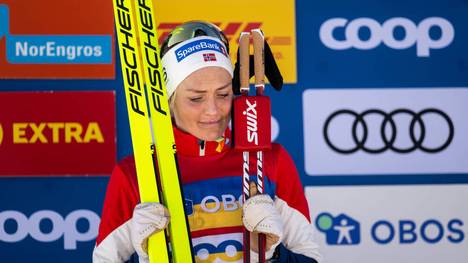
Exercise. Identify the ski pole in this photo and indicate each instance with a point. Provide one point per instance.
(259, 68)
(244, 76)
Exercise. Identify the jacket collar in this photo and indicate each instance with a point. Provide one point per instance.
(190, 145)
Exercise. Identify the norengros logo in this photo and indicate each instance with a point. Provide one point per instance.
(54, 49)
(396, 33)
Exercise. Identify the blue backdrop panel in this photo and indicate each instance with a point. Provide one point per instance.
(65, 208)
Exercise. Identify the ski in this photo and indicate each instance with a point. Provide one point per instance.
(151, 126)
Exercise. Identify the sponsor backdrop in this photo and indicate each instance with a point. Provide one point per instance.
(56, 39)
(373, 113)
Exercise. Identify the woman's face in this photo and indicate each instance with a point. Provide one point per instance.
(202, 103)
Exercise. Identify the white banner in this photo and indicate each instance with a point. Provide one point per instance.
(391, 224)
(385, 131)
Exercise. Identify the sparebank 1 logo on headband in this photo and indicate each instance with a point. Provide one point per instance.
(198, 46)
(342, 34)
(54, 49)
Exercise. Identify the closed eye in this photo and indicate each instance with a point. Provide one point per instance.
(195, 99)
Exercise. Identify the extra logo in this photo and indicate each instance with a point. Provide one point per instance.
(54, 49)
(391, 129)
(340, 230)
(345, 230)
(56, 132)
(342, 34)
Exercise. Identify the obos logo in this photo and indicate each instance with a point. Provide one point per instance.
(331, 34)
(340, 230)
(15, 226)
(344, 230)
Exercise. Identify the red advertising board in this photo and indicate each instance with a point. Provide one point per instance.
(57, 133)
(46, 39)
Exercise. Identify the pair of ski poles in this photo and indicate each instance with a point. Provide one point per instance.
(257, 122)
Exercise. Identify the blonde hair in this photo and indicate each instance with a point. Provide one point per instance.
(172, 99)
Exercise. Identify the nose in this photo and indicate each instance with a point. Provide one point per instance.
(211, 108)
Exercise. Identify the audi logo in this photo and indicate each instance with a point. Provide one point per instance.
(388, 131)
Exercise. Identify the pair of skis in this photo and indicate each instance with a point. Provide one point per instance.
(151, 127)
(252, 123)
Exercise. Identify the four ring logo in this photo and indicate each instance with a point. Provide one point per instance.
(34, 226)
(388, 127)
(419, 34)
(226, 251)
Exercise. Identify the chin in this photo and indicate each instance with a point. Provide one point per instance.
(210, 136)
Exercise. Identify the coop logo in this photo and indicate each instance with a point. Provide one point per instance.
(340, 230)
(15, 227)
(344, 230)
(331, 34)
(54, 49)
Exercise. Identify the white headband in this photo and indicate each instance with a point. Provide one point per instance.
(186, 57)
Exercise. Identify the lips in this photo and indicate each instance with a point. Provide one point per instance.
(210, 123)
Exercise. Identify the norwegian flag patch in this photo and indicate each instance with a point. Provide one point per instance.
(209, 57)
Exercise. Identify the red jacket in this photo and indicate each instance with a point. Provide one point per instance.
(212, 185)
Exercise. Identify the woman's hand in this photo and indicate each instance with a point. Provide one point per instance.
(148, 219)
(259, 215)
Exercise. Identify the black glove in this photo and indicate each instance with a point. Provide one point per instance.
(272, 71)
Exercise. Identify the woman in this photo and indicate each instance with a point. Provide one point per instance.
(200, 92)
